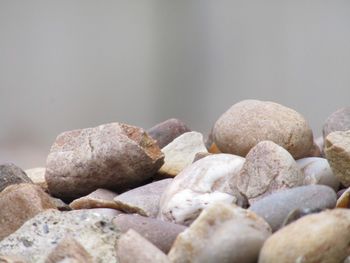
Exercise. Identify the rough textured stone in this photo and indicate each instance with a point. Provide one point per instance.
(322, 237)
(317, 171)
(19, 203)
(100, 198)
(268, 168)
(337, 151)
(39, 235)
(206, 181)
(112, 156)
(133, 248)
(165, 132)
(222, 233)
(12, 174)
(162, 234)
(337, 121)
(143, 200)
(250, 121)
(69, 250)
(181, 152)
(37, 175)
(276, 207)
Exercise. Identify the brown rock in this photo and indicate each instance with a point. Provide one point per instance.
(100, 198)
(112, 156)
(37, 175)
(337, 121)
(12, 174)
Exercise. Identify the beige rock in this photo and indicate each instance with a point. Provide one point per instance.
(337, 151)
(344, 200)
(133, 248)
(100, 198)
(337, 121)
(19, 203)
(204, 182)
(268, 168)
(322, 237)
(222, 233)
(112, 156)
(180, 152)
(11, 259)
(37, 175)
(250, 121)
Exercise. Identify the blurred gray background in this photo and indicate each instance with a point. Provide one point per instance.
(69, 64)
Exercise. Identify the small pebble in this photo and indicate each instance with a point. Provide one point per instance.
(100, 198)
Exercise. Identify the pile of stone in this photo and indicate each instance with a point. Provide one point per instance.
(260, 188)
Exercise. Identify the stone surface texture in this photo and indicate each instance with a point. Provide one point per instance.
(100, 198)
(337, 121)
(12, 174)
(37, 175)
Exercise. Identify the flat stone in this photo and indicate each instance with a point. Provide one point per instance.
(133, 248)
(337, 151)
(160, 233)
(112, 156)
(322, 237)
(337, 121)
(222, 233)
(206, 181)
(37, 175)
(268, 168)
(20, 202)
(317, 171)
(165, 132)
(12, 174)
(100, 198)
(40, 235)
(276, 207)
(143, 200)
(249, 122)
(180, 153)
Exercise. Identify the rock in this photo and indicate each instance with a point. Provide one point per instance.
(251, 121)
(322, 237)
(60, 205)
(181, 152)
(165, 132)
(105, 212)
(317, 171)
(160, 233)
(337, 121)
(69, 250)
(133, 248)
(276, 207)
(268, 168)
(37, 175)
(20, 202)
(337, 151)
(112, 156)
(201, 155)
(40, 235)
(344, 199)
(222, 233)
(11, 259)
(143, 200)
(315, 151)
(12, 174)
(100, 198)
(206, 181)
(299, 213)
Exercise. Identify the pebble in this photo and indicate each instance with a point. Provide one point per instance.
(337, 121)
(344, 199)
(12, 174)
(268, 168)
(180, 153)
(249, 122)
(112, 156)
(165, 132)
(276, 207)
(322, 237)
(299, 213)
(143, 200)
(100, 198)
(12, 259)
(37, 175)
(222, 233)
(200, 155)
(206, 181)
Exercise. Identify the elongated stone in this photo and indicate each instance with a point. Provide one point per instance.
(100, 198)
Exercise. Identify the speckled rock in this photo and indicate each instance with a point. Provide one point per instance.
(322, 237)
(100, 198)
(19, 203)
(112, 156)
(317, 171)
(337, 151)
(165, 132)
(181, 152)
(37, 175)
(276, 207)
(250, 121)
(133, 248)
(222, 233)
(143, 200)
(39, 235)
(337, 121)
(162, 234)
(206, 181)
(268, 168)
(12, 174)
